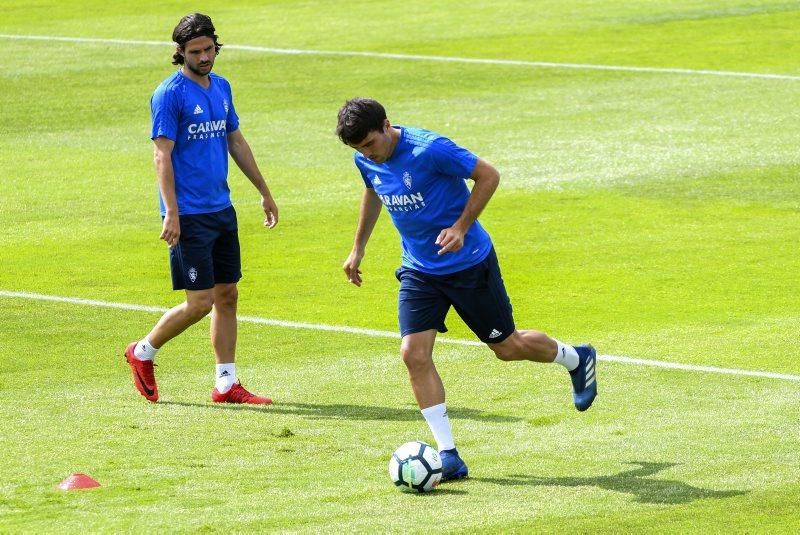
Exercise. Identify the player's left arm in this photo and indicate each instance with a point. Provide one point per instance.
(486, 179)
(243, 156)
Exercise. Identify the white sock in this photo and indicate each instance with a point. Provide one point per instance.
(439, 423)
(226, 377)
(144, 350)
(567, 356)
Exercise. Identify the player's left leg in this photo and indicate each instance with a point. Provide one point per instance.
(223, 322)
(526, 345)
(580, 360)
(227, 272)
(486, 309)
(223, 338)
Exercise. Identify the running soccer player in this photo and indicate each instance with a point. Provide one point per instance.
(448, 258)
(194, 128)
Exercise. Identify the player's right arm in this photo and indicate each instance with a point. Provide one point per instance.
(368, 215)
(162, 157)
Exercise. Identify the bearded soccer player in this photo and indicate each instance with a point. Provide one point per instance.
(448, 258)
(194, 128)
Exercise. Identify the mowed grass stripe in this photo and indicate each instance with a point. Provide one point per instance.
(387, 334)
(420, 57)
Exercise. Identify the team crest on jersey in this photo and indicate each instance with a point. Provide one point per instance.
(192, 274)
(225, 105)
(407, 179)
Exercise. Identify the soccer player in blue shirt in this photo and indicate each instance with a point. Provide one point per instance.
(448, 258)
(194, 128)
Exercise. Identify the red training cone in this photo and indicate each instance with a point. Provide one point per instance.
(78, 481)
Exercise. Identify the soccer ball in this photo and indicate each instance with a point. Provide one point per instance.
(415, 466)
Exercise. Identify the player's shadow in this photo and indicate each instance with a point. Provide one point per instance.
(373, 412)
(439, 492)
(635, 481)
(340, 411)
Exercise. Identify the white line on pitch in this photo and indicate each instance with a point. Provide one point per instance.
(384, 334)
(418, 57)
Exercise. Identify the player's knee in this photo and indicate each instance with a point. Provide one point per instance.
(226, 297)
(198, 309)
(415, 358)
(506, 350)
(504, 353)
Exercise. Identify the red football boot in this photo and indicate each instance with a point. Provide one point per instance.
(238, 394)
(142, 371)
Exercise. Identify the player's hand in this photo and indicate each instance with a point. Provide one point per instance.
(451, 240)
(270, 211)
(351, 268)
(171, 229)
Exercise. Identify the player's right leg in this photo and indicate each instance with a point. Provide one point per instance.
(140, 355)
(422, 309)
(192, 270)
(417, 353)
(142, 371)
(197, 306)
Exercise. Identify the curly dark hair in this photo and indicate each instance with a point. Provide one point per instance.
(357, 118)
(191, 27)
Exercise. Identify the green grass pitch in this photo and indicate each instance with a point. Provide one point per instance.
(654, 213)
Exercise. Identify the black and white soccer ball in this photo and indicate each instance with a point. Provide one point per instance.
(415, 467)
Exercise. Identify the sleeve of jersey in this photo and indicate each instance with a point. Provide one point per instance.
(164, 108)
(363, 171)
(232, 120)
(451, 159)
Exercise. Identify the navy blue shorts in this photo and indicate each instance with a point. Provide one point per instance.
(207, 252)
(477, 293)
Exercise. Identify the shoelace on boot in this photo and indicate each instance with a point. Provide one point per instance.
(239, 394)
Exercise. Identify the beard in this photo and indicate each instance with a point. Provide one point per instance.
(201, 69)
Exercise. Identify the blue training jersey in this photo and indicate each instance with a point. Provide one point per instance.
(423, 187)
(198, 121)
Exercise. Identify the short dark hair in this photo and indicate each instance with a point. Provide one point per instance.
(357, 118)
(190, 27)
